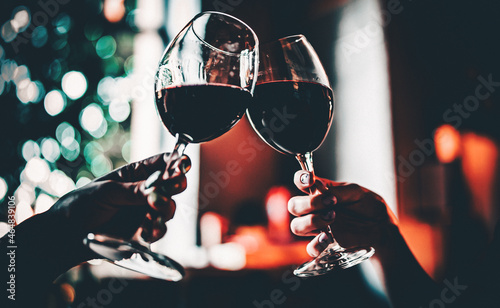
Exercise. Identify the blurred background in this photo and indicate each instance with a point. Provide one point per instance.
(416, 120)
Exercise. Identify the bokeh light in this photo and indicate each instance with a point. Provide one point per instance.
(20, 73)
(60, 183)
(114, 10)
(23, 211)
(65, 130)
(30, 149)
(50, 149)
(62, 23)
(82, 181)
(37, 170)
(126, 151)
(54, 102)
(21, 18)
(8, 33)
(27, 91)
(8, 68)
(74, 84)
(25, 194)
(101, 165)
(43, 203)
(92, 120)
(106, 47)
(39, 36)
(4, 228)
(3, 188)
(119, 110)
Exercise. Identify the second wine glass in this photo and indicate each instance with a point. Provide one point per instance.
(292, 111)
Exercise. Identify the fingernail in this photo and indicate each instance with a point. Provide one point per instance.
(328, 200)
(328, 215)
(323, 239)
(305, 179)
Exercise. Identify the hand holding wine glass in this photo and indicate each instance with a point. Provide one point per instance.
(292, 81)
(203, 84)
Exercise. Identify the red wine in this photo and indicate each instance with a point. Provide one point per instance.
(293, 117)
(201, 112)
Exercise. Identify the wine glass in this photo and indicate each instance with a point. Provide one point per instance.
(203, 84)
(292, 111)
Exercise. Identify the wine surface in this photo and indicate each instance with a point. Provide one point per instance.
(293, 117)
(201, 112)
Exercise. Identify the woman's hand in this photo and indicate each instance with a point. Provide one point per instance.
(357, 216)
(118, 203)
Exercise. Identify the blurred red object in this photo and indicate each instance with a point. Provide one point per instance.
(447, 143)
(277, 214)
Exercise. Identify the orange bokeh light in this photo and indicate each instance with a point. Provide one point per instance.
(114, 10)
(447, 143)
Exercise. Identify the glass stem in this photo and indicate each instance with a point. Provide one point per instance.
(306, 163)
(155, 179)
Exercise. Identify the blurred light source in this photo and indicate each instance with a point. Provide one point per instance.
(20, 73)
(447, 143)
(92, 32)
(151, 14)
(91, 150)
(3, 188)
(8, 68)
(65, 130)
(101, 165)
(70, 149)
(43, 203)
(62, 23)
(126, 151)
(119, 110)
(92, 120)
(114, 10)
(25, 194)
(4, 228)
(60, 183)
(39, 36)
(54, 102)
(23, 211)
(105, 47)
(277, 214)
(211, 229)
(50, 149)
(8, 33)
(82, 182)
(30, 149)
(21, 18)
(37, 170)
(74, 84)
(27, 91)
(229, 256)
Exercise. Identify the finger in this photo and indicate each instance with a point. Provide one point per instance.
(318, 244)
(312, 223)
(165, 207)
(303, 205)
(141, 170)
(153, 228)
(308, 183)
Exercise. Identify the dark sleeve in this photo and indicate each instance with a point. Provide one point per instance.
(38, 251)
(480, 284)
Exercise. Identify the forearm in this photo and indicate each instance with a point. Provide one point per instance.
(407, 283)
(44, 247)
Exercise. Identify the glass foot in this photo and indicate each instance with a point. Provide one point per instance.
(334, 258)
(135, 256)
